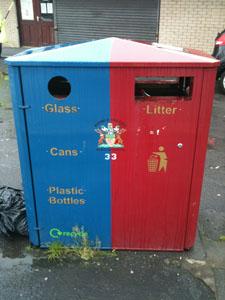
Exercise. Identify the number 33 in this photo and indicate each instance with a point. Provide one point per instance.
(110, 156)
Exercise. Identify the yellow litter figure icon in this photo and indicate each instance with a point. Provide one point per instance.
(158, 161)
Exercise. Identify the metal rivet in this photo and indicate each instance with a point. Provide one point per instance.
(179, 145)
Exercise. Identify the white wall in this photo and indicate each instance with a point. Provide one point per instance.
(11, 26)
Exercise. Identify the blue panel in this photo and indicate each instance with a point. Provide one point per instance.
(20, 123)
(94, 52)
(71, 177)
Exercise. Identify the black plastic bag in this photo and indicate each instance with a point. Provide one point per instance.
(12, 212)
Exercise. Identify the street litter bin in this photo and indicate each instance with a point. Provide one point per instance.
(112, 138)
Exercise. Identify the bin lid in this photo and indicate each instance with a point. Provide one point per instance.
(110, 51)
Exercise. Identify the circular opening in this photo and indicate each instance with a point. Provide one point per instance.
(59, 87)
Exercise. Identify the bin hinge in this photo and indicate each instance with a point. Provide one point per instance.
(37, 228)
(24, 106)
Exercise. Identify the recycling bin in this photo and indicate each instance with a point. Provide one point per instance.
(112, 137)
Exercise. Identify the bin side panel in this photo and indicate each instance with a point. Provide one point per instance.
(151, 176)
(208, 90)
(23, 147)
(71, 176)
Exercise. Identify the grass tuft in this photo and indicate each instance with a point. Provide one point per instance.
(222, 238)
(56, 251)
(82, 248)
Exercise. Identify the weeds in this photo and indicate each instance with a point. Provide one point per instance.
(4, 76)
(82, 248)
(28, 248)
(56, 251)
(222, 238)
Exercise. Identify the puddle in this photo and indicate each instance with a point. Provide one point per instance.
(9, 263)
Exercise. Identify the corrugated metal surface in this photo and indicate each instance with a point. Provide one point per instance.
(86, 19)
(101, 161)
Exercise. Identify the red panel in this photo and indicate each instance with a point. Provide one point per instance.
(202, 136)
(149, 209)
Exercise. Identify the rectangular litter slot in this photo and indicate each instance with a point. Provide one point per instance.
(149, 88)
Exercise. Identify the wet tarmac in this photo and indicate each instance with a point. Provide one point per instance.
(128, 276)
(195, 274)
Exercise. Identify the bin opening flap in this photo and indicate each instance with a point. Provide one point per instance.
(148, 88)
